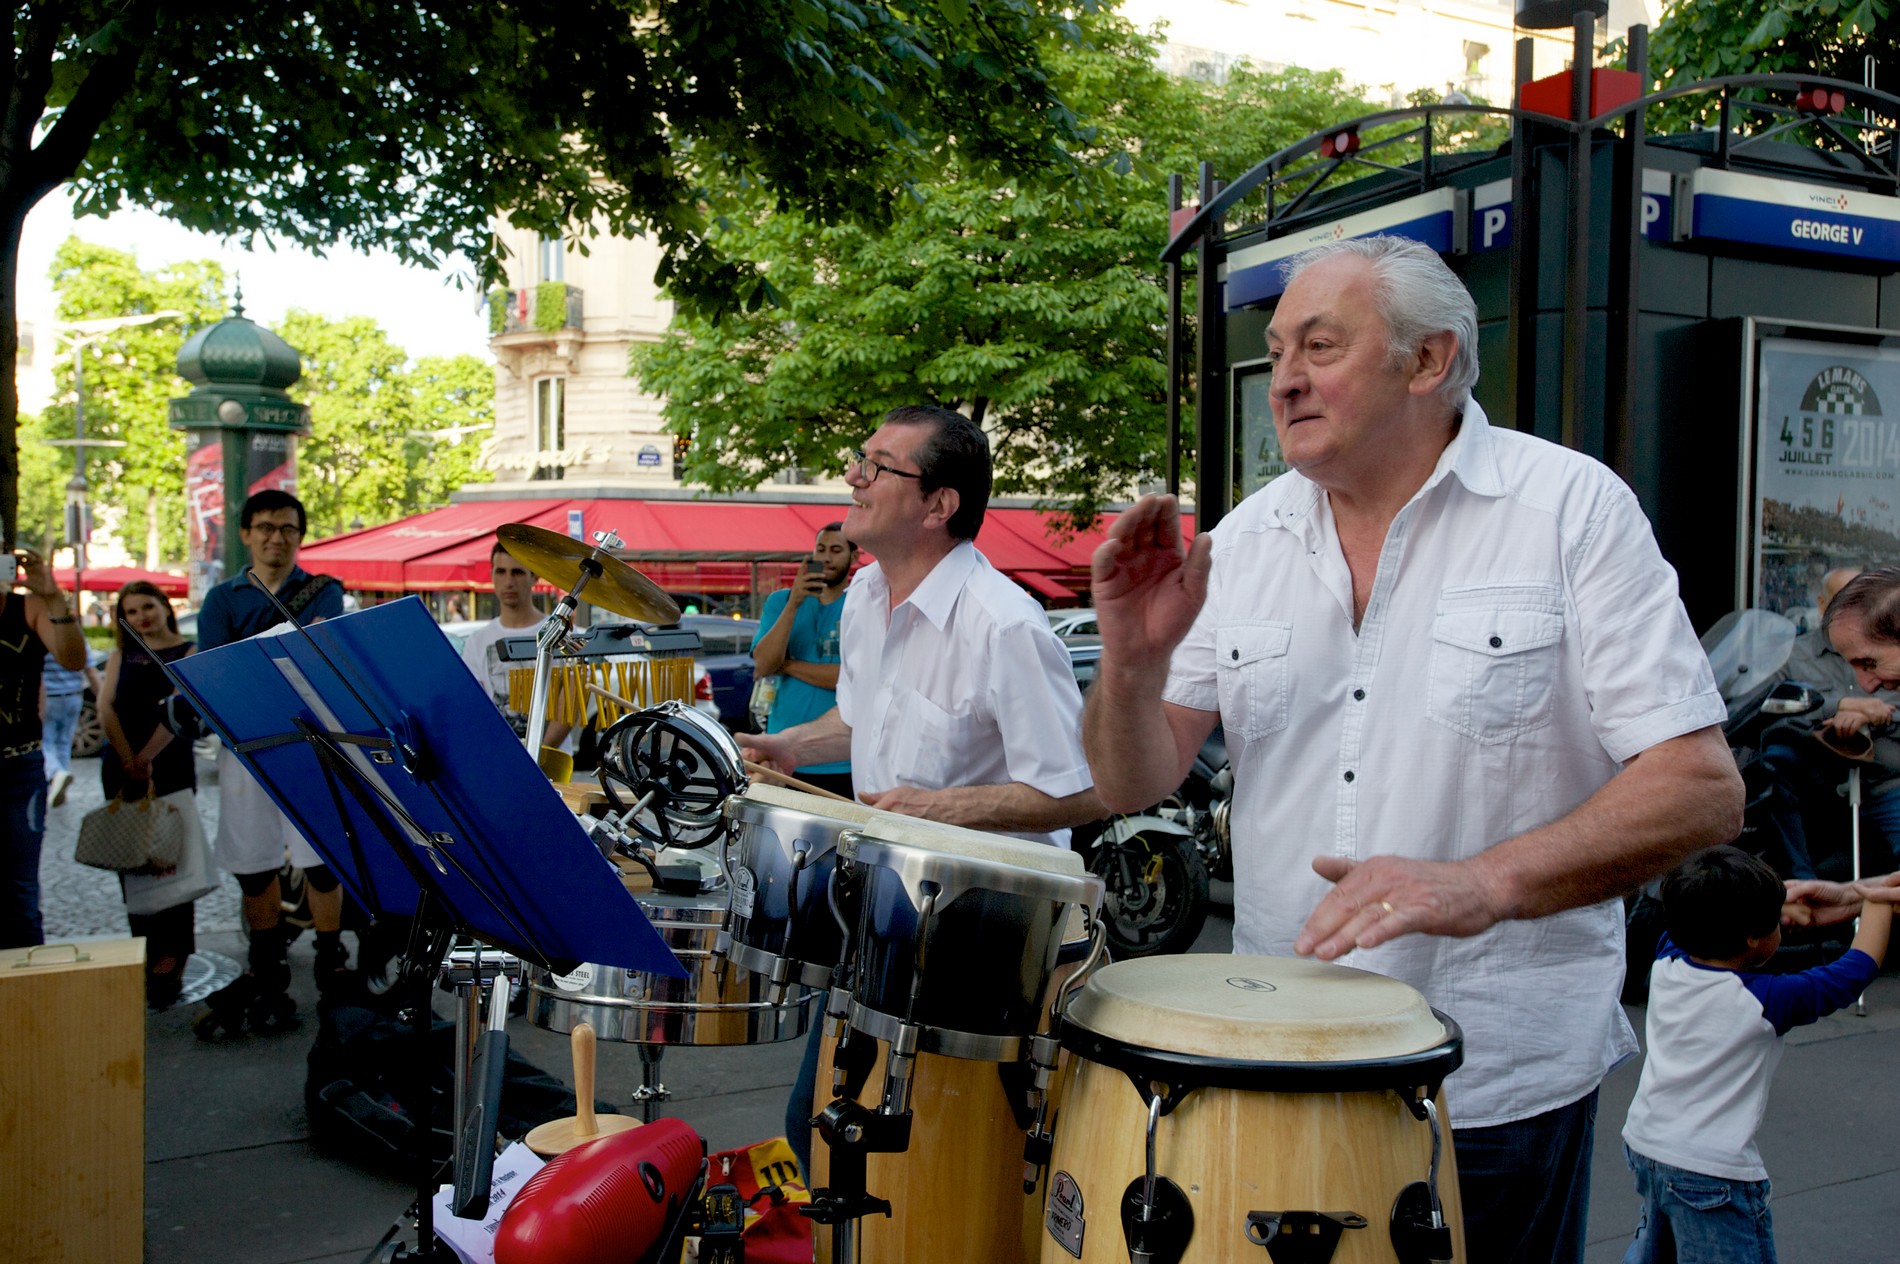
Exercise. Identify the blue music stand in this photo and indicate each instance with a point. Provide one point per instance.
(392, 761)
(369, 727)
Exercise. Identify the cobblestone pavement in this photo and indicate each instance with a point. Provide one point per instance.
(77, 901)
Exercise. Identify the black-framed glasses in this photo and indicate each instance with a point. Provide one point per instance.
(265, 530)
(868, 470)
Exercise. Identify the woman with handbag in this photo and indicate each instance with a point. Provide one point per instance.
(143, 756)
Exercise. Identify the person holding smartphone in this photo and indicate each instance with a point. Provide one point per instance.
(798, 642)
(35, 620)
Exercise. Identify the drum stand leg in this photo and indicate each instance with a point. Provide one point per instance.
(853, 1132)
(651, 1092)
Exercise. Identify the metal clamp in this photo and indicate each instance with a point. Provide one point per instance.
(1300, 1237)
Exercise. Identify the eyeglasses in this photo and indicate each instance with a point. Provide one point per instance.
(868, 470)
(265, 530)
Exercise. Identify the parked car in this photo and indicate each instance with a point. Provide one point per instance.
(1078, 622)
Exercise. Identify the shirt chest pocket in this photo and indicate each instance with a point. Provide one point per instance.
(1495, 659)
(928, 744)
(1252, 662)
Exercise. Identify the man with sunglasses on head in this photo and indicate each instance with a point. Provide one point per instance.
(956, 702)
(252, 833)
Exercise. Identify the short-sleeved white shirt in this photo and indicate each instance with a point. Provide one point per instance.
(963, 684)
(1522, 639)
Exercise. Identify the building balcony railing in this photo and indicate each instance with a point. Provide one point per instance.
(546, 308)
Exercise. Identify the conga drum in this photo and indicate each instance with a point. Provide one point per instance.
(966, 1150)
(1218, 1104)
(780, 853)
(960, 936)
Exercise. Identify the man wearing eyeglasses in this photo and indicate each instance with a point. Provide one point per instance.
(955, 701)
(252, 833)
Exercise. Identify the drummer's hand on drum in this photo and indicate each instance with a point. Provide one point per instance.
(1377, 900)
(1147, 583)
(908, 801)
(769, 749)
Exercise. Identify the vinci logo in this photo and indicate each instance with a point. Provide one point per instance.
(1840, 391)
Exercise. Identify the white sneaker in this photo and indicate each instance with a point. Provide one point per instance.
(56, 789)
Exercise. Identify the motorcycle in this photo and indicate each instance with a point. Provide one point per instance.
(1157, 864)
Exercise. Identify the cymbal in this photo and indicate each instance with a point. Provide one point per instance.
(557, 558)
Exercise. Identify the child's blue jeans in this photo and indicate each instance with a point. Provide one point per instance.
(1698, 1219)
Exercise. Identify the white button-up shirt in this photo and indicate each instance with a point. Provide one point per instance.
(963, 684)
(1522, 639)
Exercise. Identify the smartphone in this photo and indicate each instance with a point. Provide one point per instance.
(814, 567)
(9, 570)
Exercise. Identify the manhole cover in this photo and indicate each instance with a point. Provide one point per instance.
(205, 973)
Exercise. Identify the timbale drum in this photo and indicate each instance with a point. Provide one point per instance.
(712, 1005)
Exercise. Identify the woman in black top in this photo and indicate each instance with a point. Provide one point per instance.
(32, 623)
(141, 751)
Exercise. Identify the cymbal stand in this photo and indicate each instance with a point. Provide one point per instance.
(557, 632)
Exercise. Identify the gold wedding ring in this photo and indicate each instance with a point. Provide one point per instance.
(1387, 906)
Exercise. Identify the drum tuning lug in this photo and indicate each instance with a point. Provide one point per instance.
(1301, 1237)
(1419, 1232)
(1157, 1226)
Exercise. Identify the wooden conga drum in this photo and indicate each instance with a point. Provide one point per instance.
(964, 934)
(1284, 1096)
(960, 1185)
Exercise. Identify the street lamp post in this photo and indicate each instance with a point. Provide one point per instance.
(80, 334)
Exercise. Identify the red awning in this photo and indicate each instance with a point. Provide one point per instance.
(113, 578)
(1044, 585)
(682, 545)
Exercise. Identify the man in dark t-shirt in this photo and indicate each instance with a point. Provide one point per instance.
(253, 834)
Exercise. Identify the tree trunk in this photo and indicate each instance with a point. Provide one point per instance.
(151, 528)
(11, 220)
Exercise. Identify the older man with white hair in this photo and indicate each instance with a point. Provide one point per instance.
(1464, 704)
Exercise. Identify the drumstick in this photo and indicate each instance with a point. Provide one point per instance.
(778, 778)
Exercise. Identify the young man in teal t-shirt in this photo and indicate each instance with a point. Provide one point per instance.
(798, 643)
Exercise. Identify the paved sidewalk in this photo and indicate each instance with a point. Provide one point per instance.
(232, 1175)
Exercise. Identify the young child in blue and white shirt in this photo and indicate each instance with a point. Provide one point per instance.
(1715, 1035)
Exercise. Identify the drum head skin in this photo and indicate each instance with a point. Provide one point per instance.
(811, 804)
(911, 831)
(1255, 1009)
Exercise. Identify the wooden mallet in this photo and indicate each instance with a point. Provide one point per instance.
(558, 1136)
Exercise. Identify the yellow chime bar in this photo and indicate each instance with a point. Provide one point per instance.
(643, 682)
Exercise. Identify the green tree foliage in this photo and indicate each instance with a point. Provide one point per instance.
(383, 439)
(43, 474)
(130, 379)
(411, 124)
(1710, 39)
(1034, 303)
